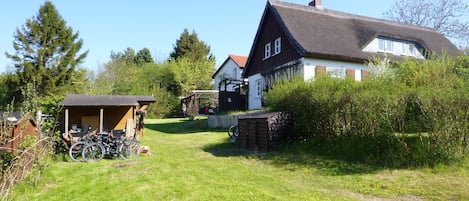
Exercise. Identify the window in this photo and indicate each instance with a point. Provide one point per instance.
(388, 47)
(336, 72)
(381, 44)
(385, 45)
(404, 48)
(267, 51)
(258, 88)
(411, 49)
(235, 75)
(278, 46)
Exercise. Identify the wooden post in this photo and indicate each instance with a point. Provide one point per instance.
(101, 111)
(66, 122)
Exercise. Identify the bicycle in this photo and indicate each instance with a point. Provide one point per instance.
(111, 146)
(75, 151)
(233, 133)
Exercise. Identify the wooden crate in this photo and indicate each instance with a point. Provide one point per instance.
(264, 131)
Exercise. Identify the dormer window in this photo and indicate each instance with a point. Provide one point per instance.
(267, 50)
(398, 47)
(388, 46)
(278, 45)
(411, 49)
(385, 45)
(381, 44)
(405, 49)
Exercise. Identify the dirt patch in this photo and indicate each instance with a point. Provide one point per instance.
(126, 164)
(364, 197)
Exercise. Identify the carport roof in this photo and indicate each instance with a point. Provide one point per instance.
(108, 100)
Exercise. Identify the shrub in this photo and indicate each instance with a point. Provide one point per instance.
(417, 117)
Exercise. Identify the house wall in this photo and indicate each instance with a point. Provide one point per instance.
(231, 71)
(310, 67)
(254, 100)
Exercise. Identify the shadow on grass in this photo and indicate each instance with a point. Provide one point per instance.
(182, 127)
(293, 161)
(228, 149)
(283, 158)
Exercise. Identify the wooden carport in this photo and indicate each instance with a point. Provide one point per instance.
(192, 101)
(102, 113)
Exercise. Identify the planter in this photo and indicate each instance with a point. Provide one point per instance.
(222, 121)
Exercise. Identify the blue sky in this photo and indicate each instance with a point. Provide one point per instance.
(228, 27)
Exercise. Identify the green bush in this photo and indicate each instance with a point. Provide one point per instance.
(377, 120)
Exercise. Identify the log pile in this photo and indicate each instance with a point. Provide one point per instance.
(264, 131)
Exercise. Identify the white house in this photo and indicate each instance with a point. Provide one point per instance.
(307, 40)
(229, 73)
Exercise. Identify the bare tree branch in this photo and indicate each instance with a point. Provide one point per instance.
(450, 17)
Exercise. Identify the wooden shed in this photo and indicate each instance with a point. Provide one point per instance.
(264, 131)
(16, 127)
(102, 113)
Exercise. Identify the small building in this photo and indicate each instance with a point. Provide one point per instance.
(228, 76)
(102, 113)
(16, 128)
(199, 102)
(230, 84)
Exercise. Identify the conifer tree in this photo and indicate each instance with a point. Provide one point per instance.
(189, 46)
(46, 52)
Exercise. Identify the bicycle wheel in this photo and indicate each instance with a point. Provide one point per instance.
(93, 152)
(233, 133)
(130, 149)
(75, 151)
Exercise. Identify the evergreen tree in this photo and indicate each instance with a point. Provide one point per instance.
(129, 57)
(46, 52)
(189, 46)
(143, 56)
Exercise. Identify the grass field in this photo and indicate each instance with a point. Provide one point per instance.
(190, 162)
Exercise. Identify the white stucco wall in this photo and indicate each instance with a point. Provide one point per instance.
(309, 67)
(254, 101)
(227, 71)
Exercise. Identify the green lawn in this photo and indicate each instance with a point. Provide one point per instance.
(187, 162)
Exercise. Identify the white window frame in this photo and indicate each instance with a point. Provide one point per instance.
(278, 46)
(259, 88)
(411, 49)
(388, 45)
(381, 44)
(267, 50)
(335, 72)
(404, 49)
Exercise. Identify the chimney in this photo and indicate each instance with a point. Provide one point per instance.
(316, 4)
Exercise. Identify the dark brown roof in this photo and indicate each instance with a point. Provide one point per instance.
(328, 34)
(110, 100)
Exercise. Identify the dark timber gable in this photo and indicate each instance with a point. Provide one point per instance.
(269, 30)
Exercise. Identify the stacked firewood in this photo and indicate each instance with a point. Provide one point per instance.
(265, 131)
